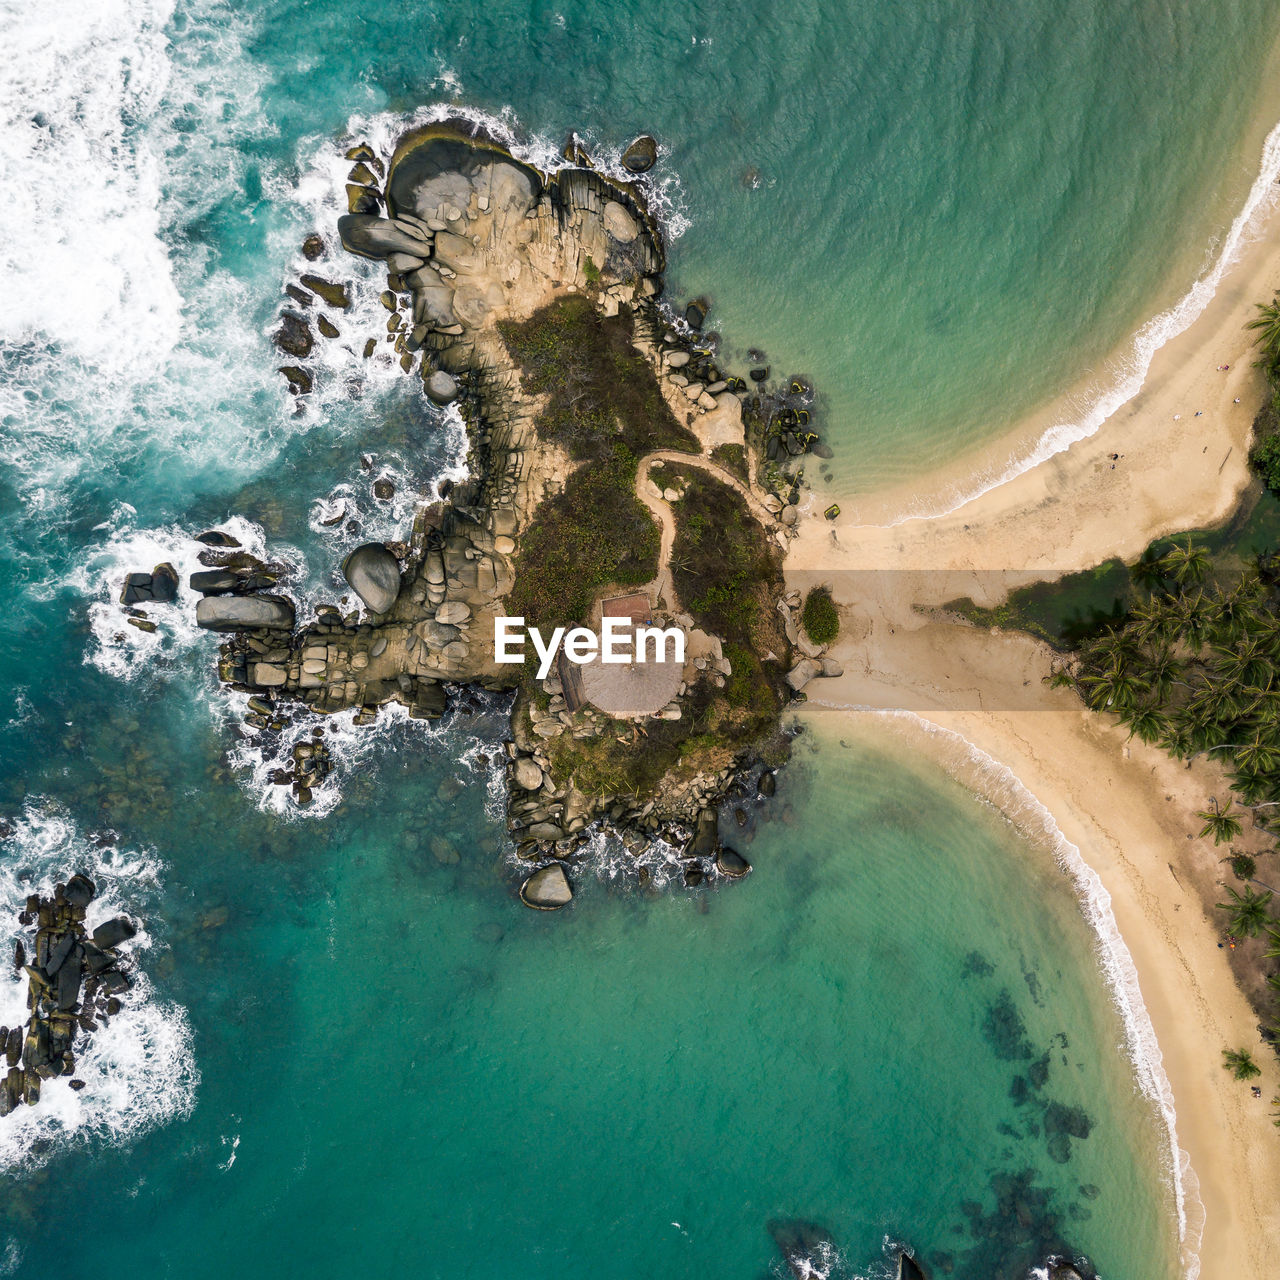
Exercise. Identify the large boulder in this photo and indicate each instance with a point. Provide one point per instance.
(729, 862)
(374, 575)
(547, 889)
(374, 237)
(619, 223)
(527, 774)
(245, 613)
(802, 673)
(641, 155)
(442, 387)
(113, 932)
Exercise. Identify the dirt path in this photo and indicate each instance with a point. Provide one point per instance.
(662, 587)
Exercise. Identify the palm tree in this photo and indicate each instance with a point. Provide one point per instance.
(1240, 1063)
(1273, 951)
(1184, 564)
(1148, 723)
(1266, 324)
(1146, 571)
(1221, 824)
(1248, 912)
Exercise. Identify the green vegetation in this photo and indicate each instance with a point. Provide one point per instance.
(733, 458)
(820, 618)
(1222, 824)
(1248, 912)
(593, 534)
(1240, 1063)
(1243, 865)
(591, 271)
(601, 391)
(604, 407)
(1264, 457)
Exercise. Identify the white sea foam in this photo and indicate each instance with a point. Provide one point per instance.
(121, 650)
(1127, 373)
(139, 1070)
(998, 784)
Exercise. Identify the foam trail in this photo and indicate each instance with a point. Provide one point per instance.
(139, 1070)
(1132, 370)
(997, 783)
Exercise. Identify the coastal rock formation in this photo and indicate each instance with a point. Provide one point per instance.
(74, 983)
(528, 300)
(641, 155)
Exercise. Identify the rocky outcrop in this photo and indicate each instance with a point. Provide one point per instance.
(909, 1268)
(74, 984)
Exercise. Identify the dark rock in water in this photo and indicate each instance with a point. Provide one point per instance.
(374, 575)
(77, 1085)
(69, 985)
(768, 784)
(334, 294)
(706, 836)
(760, 374)
(547, 889)
(312, 248)
(216, 582)
(384, 489)
(641, 155)
(95, 959)
(164, 584)
(19, 955)
(137, 589)
(327, 328)
(59, 952)
(245, 613)
(300, 381)
(909, 1268)
(693, 876)
(300, 296)
(801, 1243)
(216, 538)
(80, 890)
(294, 335)
(113, 932)
(114, 984)
(373, 237)
(695, 313)
(731, 863)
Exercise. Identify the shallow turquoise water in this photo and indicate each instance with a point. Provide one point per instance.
(942, 213)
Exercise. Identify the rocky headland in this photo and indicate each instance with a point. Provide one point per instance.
(615, 470)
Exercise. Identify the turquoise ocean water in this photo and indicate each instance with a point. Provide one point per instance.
(353, 1052)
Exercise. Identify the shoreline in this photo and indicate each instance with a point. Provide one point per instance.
(1173, 989)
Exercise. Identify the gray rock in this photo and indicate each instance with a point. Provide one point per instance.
(374, 237)
(216, 582)
(113, 932)
(802, 673)
(641, 155)
(80, 890)
(374, 575)
(528, 777)
(545, 831)
(619, 223)
(547, 889)
(831, 668)
(267, 675)
(245, 613)
(453, 612)
(442, 387)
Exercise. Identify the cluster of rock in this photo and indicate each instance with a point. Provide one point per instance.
(160, 586)
(813, 664)
(75, 982)
(294, 336)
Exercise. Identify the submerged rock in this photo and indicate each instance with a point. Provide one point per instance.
(547, 889)
(909, 1268)
(374, 575)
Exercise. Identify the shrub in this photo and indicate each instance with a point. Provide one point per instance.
(1243, 865)
(820, 618)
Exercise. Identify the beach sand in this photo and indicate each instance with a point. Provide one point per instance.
(1128, 808)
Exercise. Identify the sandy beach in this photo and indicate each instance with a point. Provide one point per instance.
(1172, 458)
